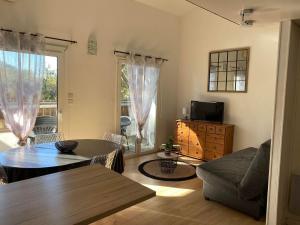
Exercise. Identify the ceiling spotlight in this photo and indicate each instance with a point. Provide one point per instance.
(244, 14)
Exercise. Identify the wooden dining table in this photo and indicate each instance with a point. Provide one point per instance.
(42, 159)
(78, 196)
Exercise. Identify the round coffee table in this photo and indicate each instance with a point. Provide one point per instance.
(168, 162)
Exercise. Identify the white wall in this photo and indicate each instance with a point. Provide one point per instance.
(118, 24)
(251, 112)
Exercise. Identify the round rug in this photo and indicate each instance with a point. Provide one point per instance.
(182, 172)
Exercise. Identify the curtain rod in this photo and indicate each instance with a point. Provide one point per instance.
(48, 37)
(147, 56)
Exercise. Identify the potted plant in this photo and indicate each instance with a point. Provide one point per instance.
(169, 146)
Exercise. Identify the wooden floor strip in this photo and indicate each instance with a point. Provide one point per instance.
(177, 203)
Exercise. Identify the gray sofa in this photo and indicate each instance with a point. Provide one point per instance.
(239, 180)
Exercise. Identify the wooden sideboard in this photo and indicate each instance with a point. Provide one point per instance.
(204, 140)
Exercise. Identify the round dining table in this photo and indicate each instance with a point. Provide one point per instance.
(41, 159)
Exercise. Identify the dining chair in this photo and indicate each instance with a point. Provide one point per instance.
(105, 160)
(116, 138)
(3, 176)
(47, 138)
(45, 125)
(125, 122)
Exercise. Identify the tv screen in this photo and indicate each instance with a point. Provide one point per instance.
(208, 111)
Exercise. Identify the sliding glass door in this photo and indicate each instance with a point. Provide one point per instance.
(127, 124)
(49, 114)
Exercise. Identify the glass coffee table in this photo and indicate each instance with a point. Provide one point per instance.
(168, 162)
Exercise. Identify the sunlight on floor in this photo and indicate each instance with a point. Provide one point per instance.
(169, 191)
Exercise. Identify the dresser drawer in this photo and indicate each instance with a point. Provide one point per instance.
(197, 136)
(197, 143)
(220, 130)
(181, 131)
(178, 124)
(195, 152)
(211, 129)
(215, 138)
(201, 128)
(193, 126)
(182, 139)
(184, 149)
(185, 125)
(215, 147)
(210, 155)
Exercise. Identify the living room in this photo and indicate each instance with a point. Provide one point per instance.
(92, 44)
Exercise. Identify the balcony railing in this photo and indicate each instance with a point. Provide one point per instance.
(46, 109)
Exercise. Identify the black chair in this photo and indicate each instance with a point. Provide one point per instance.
(112, 158)
(125, 121)
(45, 125)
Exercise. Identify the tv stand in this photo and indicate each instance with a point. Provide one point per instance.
(204, 140)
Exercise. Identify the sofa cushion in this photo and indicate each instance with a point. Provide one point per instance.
(255, 181)
(227, 171)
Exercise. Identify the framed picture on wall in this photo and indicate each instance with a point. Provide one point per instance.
(228, 70)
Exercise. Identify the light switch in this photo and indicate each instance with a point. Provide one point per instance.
(70, 97)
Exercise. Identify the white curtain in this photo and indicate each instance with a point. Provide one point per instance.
(21, 76)
(143, 76)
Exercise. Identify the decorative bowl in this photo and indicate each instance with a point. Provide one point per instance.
(66, 146)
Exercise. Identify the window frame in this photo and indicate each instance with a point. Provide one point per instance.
(226, 71)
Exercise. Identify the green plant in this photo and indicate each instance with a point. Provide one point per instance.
(170, 143)
(49, 89)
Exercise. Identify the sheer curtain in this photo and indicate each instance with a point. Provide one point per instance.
(143, 75)
(21, 76)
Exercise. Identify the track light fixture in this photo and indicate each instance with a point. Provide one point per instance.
(244, 14)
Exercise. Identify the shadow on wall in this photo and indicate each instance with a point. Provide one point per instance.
(7, 141)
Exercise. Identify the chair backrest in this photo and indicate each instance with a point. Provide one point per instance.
(116, 138)
(125, 121)
(3, 176)
(45, 125)
(44, 129)
(45, 120)
(47, 138)
(105, 160)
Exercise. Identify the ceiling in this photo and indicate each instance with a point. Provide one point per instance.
(265, 10)
(176, 7)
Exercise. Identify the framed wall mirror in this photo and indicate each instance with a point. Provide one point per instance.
(228, 70)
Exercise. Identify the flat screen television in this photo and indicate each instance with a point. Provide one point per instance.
(208, 111)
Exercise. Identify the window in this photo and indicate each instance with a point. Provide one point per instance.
(48, 104)
(228, 70)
